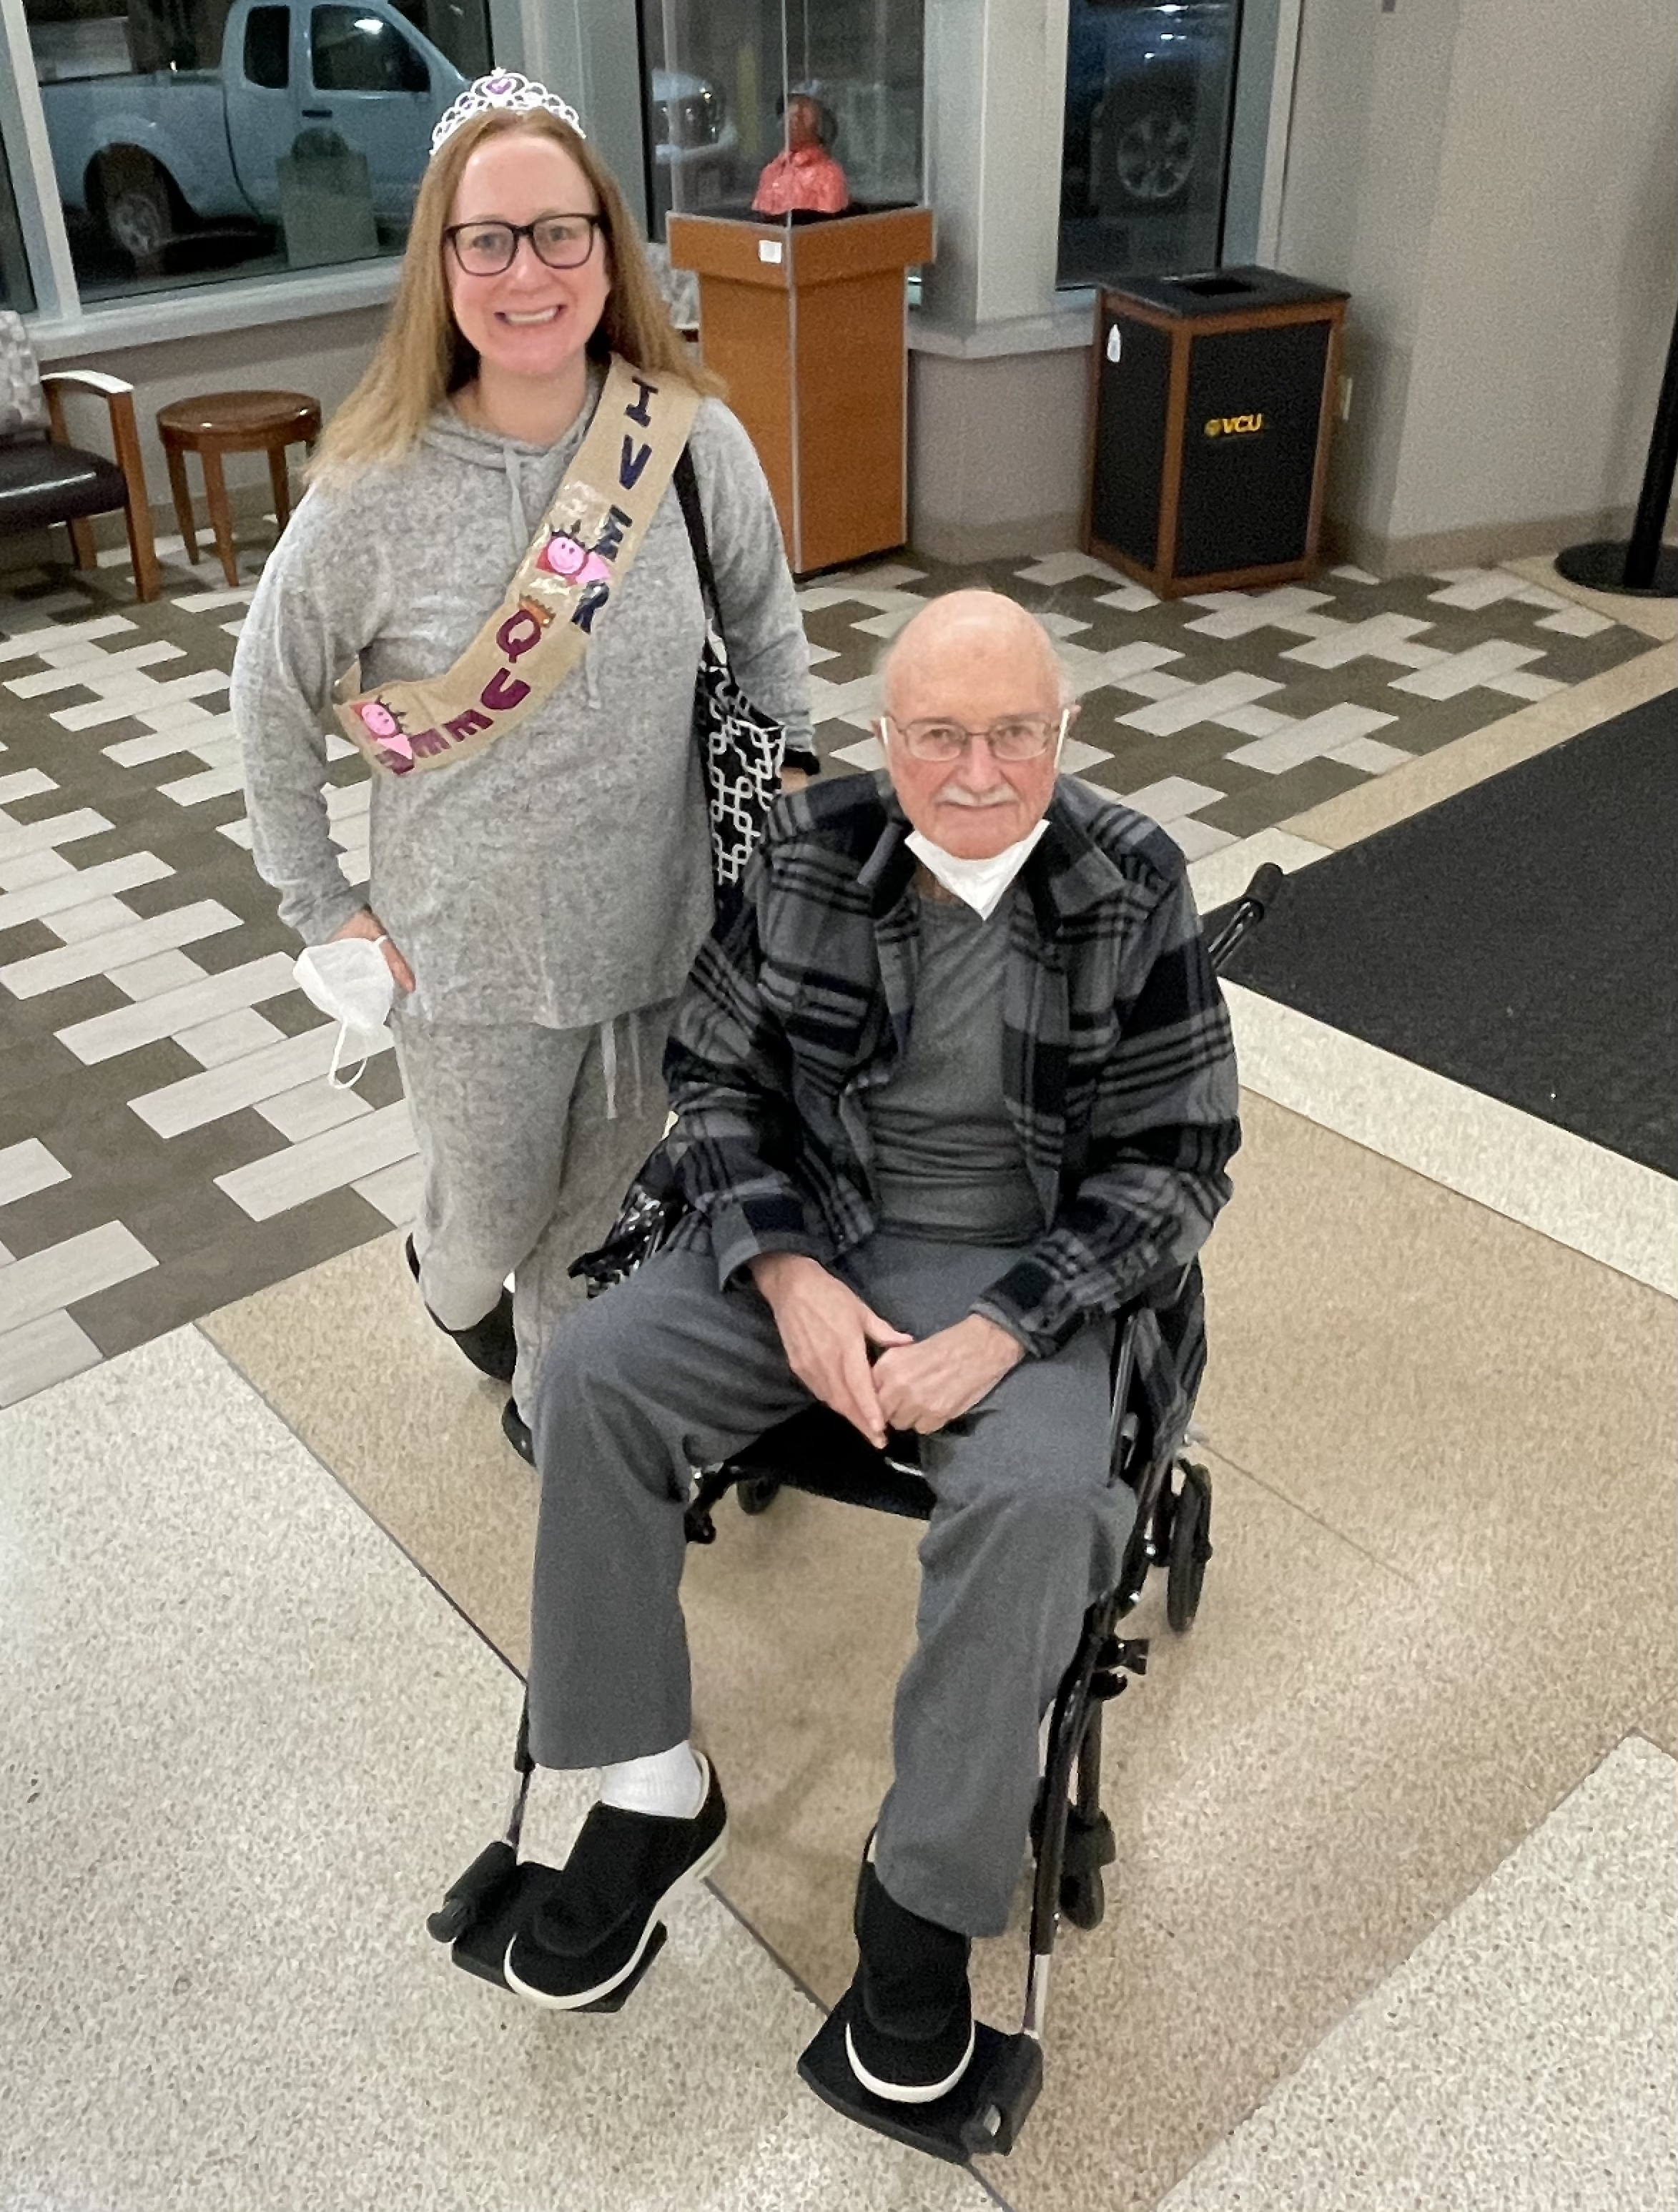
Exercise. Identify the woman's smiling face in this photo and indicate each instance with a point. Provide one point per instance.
(531, 320)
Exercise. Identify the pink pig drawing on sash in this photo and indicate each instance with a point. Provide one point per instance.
(562, 557)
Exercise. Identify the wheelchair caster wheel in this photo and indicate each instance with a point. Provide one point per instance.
(757, 1492)
(1083, 1900)
(1190, 1549)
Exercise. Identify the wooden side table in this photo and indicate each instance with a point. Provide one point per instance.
(232, 423)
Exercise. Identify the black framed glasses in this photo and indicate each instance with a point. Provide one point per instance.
(558, 241)
(1014, 737)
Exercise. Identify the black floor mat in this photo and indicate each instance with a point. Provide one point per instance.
(1521, 937)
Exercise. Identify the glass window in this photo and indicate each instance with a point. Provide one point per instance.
(16, 291)
(194, 140)
(1145, 158)
(793, 109)
(350, 51)
(268, 48)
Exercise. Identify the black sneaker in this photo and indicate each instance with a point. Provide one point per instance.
(589, 1933)
(488, 1344)
(516, 1429)
(908, 2015)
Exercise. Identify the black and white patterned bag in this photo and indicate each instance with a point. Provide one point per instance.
(742, 749)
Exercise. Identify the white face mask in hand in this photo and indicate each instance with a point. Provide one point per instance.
(977, 883)
(350, 980)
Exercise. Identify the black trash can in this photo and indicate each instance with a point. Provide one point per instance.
(1214, 396)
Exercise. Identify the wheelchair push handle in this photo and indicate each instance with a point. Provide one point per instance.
(1249, 909)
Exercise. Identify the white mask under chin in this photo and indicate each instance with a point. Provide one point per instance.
(350, 980)
(978, 884)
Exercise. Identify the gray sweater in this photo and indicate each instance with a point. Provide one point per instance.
(563, 875)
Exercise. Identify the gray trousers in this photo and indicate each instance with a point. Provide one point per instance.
(666, 1372)
(528, 1139)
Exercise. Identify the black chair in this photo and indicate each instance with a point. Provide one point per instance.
(819, 1452)
(44, 479)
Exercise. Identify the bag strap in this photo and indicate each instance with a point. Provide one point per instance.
(687, 491)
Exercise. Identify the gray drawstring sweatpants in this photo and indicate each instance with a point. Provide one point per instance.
(666, 1372)
(528, 1138)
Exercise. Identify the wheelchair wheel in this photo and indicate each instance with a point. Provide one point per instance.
(757, 1492)
(1190, 1549)
(1084, 1899)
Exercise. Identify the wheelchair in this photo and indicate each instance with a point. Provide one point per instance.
(819, 1452)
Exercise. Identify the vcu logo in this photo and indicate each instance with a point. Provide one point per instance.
(1233, 426)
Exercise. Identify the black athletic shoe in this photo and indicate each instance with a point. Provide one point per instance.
(488, 1344)
(589, 1933)
(908, 2016)
(516, 1429)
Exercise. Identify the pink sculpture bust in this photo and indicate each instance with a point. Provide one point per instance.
(804, 179)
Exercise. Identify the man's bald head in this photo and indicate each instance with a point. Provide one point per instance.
(961, 630)
(973, 658)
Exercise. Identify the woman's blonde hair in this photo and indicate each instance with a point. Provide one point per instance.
(423, 356)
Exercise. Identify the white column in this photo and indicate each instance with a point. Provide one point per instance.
(996, 98)
(589, 52)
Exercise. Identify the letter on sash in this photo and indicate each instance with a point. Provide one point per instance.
(502, 692)
(639, 413)
(589, 606)
(629, 468)
(612, 533)
(518, 633)
(467, 725)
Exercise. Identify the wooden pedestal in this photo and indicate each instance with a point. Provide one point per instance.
(805, 326)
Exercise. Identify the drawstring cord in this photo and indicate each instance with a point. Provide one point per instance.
(516, 501)
(608, 1062)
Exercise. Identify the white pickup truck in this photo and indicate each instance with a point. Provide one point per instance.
(141, 152)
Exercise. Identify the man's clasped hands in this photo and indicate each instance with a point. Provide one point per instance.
(828, 1334)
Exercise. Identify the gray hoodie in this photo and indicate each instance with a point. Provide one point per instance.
(563, 875)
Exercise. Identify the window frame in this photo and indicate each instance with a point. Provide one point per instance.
(61, 325)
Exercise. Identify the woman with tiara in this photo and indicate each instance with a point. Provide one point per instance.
(495, 542)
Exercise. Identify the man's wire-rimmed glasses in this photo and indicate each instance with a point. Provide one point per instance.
(558, 241)
(1011, 737)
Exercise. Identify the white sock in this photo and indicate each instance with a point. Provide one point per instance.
(671, 1782)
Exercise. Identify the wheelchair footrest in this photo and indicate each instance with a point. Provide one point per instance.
(502, 1896)
(984, 2113)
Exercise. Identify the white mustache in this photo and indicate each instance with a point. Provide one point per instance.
(956, 795)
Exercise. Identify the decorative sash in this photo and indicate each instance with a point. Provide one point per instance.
(586, 542)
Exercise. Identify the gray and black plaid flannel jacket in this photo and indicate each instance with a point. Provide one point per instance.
(1118, 1066)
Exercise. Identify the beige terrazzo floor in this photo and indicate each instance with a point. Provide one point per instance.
(1443, 1591)
(1522, 2055)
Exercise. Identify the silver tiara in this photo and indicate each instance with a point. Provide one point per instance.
(506, 92)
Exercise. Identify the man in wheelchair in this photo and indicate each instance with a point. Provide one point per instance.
(953, 1087)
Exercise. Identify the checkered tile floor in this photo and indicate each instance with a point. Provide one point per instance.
(166, 1143)
(1224, 714)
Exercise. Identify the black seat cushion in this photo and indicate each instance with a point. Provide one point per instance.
(41, 482)
(819, 1451)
